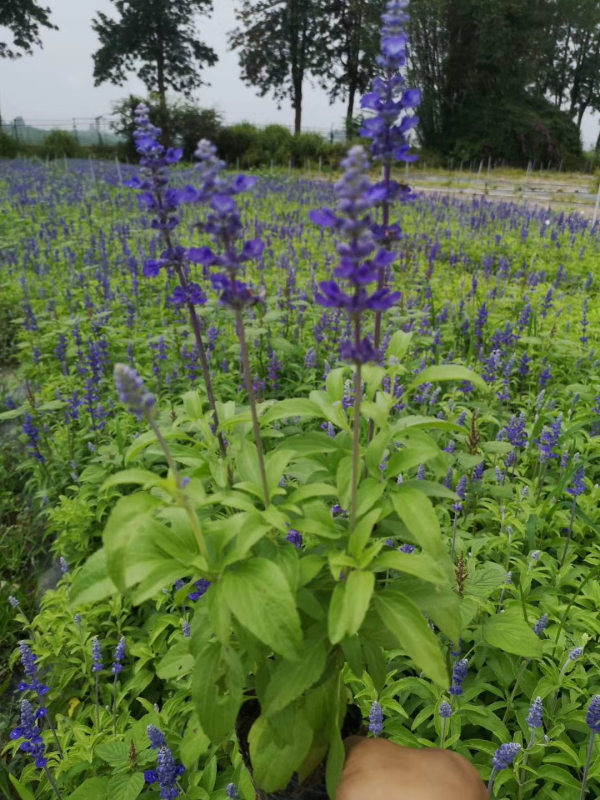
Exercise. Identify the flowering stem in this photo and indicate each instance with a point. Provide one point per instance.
(239, 323)
(490, 788)
(53, 729)
(355, 445)
(97, 701)
(443, 734)
(184, 498)
(586, 769)
(514, 691)
(114, 708)
(385, 209)
(454, 535)
(203, 362)
(570, 531)
(52, 782)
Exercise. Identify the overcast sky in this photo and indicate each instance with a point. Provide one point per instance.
(55, 84)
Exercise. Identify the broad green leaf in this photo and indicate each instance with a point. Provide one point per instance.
(177, 662)
(21, 788)
(278, 748)
(315, 443)
(194, 744)
(349, 604)
(448, 372)
(143, 477)
(309, 490)
(217, 690)
(418, 564)
(344, 481)
(291, 678)
(510, 632)
(419, 449)
(292, 407)
(276, 462)
(336, 757)
(399, 344)
(91, 582)
(125, 787)
(417, 513)
(362, 532)
(334, 383)
(127, 521)
(438, 602)
(408, 625)
(259, 596)
(91, 789)
(114, 753)
(333, 412)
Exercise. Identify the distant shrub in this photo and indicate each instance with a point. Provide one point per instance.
(239, 141)
(307, 146)
(8, 146)
(59, 144)
(190, 124)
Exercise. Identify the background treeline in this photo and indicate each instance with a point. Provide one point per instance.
(502, 80)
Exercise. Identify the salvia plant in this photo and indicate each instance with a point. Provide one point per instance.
(285, 509)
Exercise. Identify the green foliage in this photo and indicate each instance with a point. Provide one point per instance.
(8, 146)
(23, 18)
(60, 144)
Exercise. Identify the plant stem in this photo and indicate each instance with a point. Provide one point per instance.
(97, 701)
(490, 788)
(114, 708)
(239, 323)
(52, 782)
(53, 729)
(586, 769)
(443, 734)
(570, 532)
(185, 500)
(568, 608)
(515, 687)
(355, 446)
(454, 535)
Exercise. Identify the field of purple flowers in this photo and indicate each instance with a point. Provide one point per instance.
(510, 470)
(312, 459)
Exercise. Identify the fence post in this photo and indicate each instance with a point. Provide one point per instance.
(596, 207)
(119, 176)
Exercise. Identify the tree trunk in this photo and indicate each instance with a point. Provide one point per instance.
(162, 102)
(298, 108)
(350, 110)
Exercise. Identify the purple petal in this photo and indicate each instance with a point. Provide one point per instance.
(323, 217)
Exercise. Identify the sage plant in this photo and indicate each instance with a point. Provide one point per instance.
(163, 204)
(359, 266)
(389, 99)
(224, 224)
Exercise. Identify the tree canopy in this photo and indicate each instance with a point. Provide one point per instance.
(23, 19)
(158, 41)
(281, 43)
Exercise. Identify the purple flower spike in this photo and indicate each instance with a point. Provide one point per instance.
(132, 391)
(593, 715)
(376, 719)
(505, 755)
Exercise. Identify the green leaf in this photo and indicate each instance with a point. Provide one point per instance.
(349, 605)
(275, 465)
(510, 632)
(143, 477)
(194, 744)
(440, 603)
(362, 532)
(21, 788)
(217, 690)
(114, 753)
(91, 583)
(417, 564)
(344, 481)
(336, 757)
(309, 490)
(407, 624)
(399, 344)
(260, 598)
(417, 513)
(291, 678)
(448, 372)
(419, 449)
(125, 787)
(129, 518)
(293, 407)
(91, 789)
(176, 663)
(334, 383)
(277, 748)
(332, 412)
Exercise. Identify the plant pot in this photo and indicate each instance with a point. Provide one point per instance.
(313, 788)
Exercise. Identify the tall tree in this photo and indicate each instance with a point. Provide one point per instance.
(281, 43)
(156, 39)
(569, 74)
(23, 18)
(354, 32)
